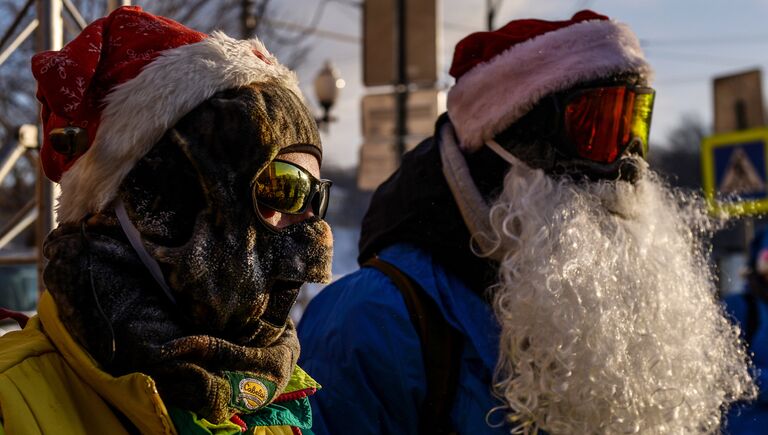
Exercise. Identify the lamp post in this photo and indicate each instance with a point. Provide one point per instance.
(327, 85)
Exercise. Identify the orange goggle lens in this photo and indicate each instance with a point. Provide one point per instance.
(601, 123)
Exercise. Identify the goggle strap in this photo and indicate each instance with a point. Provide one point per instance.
(134, 238)
(507, 156)
(473, 208)
(501, 152)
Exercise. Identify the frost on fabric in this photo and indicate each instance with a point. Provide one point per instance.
(302, 252)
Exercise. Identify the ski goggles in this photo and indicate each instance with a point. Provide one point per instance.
(290, 189)
(599, 124)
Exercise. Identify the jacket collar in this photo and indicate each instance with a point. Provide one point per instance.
(145, 409)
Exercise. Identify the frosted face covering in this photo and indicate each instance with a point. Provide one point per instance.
(290, 189)
(599, 124)
(234, 283)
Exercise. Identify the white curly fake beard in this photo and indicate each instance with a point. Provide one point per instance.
(609, 320)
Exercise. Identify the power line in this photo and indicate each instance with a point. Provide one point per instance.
(646, 43)
(682, 80)
(696, 57)
(707, 40)
(310, 28)
(461, 27)
(307, 30)
(357, 4)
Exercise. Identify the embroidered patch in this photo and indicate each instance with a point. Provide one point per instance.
(249, 391)
(253, 393)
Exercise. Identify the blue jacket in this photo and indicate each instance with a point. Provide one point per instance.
(752, 418)
(358, 341)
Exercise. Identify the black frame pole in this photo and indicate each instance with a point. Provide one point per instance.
(401, 87)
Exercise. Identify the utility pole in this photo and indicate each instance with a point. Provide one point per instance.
(400, 52)
(114, 4)
(491, 7)
(247, 19)
(401, 87)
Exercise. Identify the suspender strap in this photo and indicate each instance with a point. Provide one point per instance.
(440, 347)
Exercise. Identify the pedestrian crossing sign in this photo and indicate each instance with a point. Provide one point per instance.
(734, 171)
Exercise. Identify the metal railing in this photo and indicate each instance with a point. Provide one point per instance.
(48, 24)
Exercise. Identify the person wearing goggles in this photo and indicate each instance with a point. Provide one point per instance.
(596, 129)
(524, 270)
(191, 213)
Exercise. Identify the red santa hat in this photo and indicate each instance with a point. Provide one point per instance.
(500, 75)
(126, 79)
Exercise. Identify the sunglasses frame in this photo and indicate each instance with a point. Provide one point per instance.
(568, 148)
(318, 186)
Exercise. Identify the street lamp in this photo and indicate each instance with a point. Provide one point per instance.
(327, 85)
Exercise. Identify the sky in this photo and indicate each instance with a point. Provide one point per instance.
(687, 42)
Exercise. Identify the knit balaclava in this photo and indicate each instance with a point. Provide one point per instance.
(177, 139)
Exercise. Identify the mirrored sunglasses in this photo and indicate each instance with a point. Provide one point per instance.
(290, 189)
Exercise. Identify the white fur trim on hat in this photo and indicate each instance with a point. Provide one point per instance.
(492, 95)
(138, 112)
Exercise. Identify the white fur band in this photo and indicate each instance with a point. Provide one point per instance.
(494, 94)
(138, 112)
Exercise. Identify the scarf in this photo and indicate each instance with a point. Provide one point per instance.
(114, 309)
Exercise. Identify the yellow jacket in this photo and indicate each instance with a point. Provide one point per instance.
(50, 385)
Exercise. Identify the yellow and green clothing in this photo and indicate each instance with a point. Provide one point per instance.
(51, 385)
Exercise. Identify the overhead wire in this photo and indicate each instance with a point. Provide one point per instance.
(682, 80)
(707, 40)
(308, 29)
(354, 3)
(351, 13)
(699, 58)
(461, 27)
(657, 48)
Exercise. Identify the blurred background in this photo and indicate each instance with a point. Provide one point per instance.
(375, 72)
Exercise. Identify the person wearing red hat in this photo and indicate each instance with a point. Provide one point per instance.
(524, 270)
(191, 212)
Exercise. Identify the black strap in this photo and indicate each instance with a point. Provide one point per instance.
(753, 317)
(440, 347)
